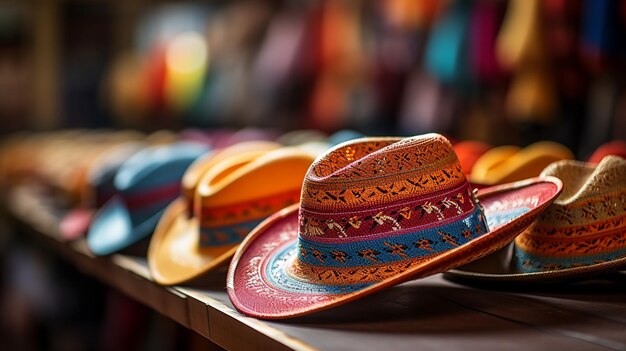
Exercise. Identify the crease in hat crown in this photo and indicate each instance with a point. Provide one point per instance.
(382, 202)
(234, 196)
(585, 225)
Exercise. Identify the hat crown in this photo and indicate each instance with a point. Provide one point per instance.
(582, 180)
(240, 191)
(150, 179)
(370, 171)
(101, 175)
(382, 200)
(156, 165)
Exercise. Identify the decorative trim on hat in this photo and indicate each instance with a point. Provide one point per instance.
(226, 235)
(229, 224)
(527, 262)
(424, 211)
(418, 242)
(243, 211)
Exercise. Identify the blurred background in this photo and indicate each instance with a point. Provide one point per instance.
(498, 71)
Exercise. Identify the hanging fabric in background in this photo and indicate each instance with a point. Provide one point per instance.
(215, 98)
(603, 100)
(520, 48)
(341, 60)
(124, 93)
(275, 67)
(186, 60)
(518, 41)
(409, 14)
(400, 33)
(561, 27)
(482, 108)
(446, 51)
(561, 21)
(602, 49)
(483, 28)
(427, 105)
(233, 38)
(172, 49)
(430, 95)
(602, 33)
(154, 80)
(531, 97)
(244, 25)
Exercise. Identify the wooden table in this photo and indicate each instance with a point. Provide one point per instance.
(429, 314)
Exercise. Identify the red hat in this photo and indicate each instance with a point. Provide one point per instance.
(468, 152)
(615, 147)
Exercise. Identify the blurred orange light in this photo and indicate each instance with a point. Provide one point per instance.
(186, 60)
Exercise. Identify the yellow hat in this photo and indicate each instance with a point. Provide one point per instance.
(505, 164)
(233, 191)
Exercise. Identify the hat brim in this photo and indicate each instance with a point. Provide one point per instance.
(112, 230)
(75, 223)
(259, 285)
(499, 268)
(174, 254)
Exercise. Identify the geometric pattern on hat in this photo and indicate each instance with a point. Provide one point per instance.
(585, 225)
(581, 234)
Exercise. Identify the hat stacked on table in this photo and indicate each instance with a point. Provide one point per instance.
(582, 233)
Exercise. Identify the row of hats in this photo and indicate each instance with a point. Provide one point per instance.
(63, 160)
(305, 228)
(81, 165)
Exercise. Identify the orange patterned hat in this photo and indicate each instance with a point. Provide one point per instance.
(375, 212)
(582, 233)
(225, 195)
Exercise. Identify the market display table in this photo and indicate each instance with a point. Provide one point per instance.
(429, 314)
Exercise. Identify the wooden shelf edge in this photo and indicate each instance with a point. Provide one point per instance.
(190, 307)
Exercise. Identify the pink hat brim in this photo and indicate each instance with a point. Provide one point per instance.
(258, 283)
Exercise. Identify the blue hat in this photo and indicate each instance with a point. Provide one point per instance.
(144, 185)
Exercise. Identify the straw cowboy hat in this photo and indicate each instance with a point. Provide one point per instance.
(582, 233)
(375, 212)
(144, 185)
(225, 196)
